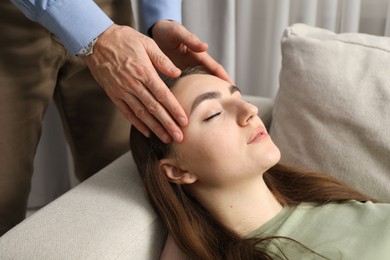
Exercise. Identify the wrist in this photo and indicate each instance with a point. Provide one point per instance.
(88, 49)
(150, 31)
(96, 43)
(159, 23)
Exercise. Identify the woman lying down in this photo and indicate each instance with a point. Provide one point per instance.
(222, 194)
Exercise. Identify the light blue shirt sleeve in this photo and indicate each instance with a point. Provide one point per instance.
(75, 22)
(154, 10)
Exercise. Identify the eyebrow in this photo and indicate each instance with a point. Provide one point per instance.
(211, 95)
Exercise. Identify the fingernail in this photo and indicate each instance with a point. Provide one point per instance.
(166, 138)
(182, 121)
(147, 134)
(175, 70)
(177, 136)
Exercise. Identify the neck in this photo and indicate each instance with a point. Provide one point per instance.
(244, 207)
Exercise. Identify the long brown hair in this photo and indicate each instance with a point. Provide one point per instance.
(195, 230)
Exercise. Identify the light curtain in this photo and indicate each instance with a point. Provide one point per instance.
(244, 36)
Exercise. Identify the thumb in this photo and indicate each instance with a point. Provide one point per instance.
(161, 61)
(192, 41)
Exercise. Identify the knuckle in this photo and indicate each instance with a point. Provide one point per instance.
(169, 125)
(160, 59)
(139, 112)
(145, 38)
(128, 114)
(161, 94)
(140, 72)
(132, 118)
(140, 91)
(153, 107)
(190, 37)
(177, 29)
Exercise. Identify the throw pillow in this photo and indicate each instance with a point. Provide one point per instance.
(332, 111)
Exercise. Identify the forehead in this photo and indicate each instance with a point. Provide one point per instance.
(189, 87)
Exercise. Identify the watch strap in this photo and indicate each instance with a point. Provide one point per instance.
(88, 49)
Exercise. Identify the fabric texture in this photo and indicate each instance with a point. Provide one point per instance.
(154, 10)
(348, 231)
(332, 111)
(77, 22)
(244, 36)
(106, 217)
(75, 29)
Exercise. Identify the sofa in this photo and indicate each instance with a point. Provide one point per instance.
(331, 114)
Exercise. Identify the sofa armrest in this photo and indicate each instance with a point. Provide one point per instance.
(106, 217)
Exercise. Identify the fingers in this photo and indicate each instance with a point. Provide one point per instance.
(125, 70)
(152, 102)
(150, 115)
(144, 121)
(199, 48)
(213, 66)
(190, 40)
(160, 60)
(196, 49)
(154, 113)
(158, 88)
(193, 42)
(129, 114)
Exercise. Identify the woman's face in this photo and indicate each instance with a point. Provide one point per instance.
(224, 139)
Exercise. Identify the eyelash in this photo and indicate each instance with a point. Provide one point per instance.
(212, 116)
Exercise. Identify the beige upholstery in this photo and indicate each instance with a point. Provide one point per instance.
(105, 217)
(332, 111)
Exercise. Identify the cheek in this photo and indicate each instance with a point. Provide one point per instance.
(211, 151)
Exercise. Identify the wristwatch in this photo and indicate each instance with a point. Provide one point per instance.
(87, 50)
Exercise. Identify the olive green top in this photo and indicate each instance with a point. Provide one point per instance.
(350, 230)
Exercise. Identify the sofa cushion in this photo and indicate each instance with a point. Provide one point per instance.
(332, 111)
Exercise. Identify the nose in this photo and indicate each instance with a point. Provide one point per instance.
(246, 112)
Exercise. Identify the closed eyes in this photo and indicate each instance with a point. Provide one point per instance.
(212, 116)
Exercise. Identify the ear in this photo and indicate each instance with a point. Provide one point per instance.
(175, 174)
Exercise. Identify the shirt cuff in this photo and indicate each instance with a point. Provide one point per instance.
(76, 23)
(154, 10)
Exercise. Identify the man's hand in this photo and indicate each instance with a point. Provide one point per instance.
(184, 48)
(122, 63)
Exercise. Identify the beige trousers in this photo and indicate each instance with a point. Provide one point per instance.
(34, 69)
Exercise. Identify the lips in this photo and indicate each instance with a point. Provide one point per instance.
(258, 135)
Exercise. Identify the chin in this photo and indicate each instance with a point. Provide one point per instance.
(273, 157)
(265, 163)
